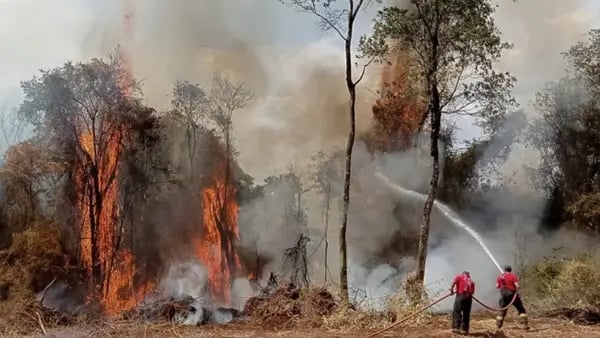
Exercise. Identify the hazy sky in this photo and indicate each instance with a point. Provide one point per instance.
(271, 47)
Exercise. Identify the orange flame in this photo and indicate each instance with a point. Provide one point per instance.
(117, 293)
(397, 113)
(99, 206)
(106, 162)
(215, 248)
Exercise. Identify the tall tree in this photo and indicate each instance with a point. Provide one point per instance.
(340, 16)
(88, 115)
(566, 134)
(226, 98)
(454, 45)
(190, 106)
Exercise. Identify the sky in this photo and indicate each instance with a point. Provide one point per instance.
(272, 48)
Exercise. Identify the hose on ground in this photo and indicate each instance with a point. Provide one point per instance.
(434, 303)
(409, 316)
(497, 309)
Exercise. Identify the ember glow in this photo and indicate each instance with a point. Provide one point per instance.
(215, 248)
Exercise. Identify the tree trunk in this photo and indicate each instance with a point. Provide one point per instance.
(436, 116)
(95, 212)
(327, 207)
(348, 171)
(433, 187)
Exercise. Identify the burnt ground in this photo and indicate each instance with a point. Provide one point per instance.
(483, 325)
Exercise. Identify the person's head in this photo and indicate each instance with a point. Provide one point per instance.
(507, 268)
(466, 273)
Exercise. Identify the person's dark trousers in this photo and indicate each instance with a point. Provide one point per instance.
(461, 316)
(505, 299)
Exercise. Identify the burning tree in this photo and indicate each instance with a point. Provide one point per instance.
(398, 112)
(88, 113)
(216, 248)
(454, 45)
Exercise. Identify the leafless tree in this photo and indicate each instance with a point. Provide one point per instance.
(190, 106)
(340, 16)
(11, 126)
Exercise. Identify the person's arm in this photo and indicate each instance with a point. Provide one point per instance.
(473, 287)
(499, 282)
(517, 282)
(454, 282)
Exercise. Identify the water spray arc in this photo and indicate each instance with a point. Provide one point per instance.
(445, 210)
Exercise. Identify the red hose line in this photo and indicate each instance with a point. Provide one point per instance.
(409, 316)
(497, 309)
(434, 303)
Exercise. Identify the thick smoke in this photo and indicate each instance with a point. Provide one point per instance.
(295, 84)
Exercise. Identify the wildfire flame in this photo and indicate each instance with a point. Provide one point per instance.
(117, 292)
(399, 110)
(215, 248)
(110, 267)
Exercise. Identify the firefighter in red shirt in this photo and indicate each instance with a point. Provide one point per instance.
(508, 284)
(464, 288)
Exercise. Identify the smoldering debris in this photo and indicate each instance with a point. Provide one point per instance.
(185, 311)
(63, 298)
(281, 307)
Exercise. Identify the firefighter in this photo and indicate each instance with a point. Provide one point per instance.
(464, 288)
(508, 284)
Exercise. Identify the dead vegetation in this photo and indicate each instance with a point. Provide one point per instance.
(564, 284)
(27, 267)
(290, 306)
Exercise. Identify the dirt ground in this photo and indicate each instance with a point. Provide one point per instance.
(482, 326)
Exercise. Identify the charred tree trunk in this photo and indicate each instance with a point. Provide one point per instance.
(224, 230)
(95, 212)
(436, 115)
(349, 146)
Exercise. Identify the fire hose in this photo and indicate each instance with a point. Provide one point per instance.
(497, 309)
(434, 303)
(410, 316)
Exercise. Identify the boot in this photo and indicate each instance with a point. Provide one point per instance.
(499, 322)
(523, 321)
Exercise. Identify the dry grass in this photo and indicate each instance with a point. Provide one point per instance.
(26, 268)
(564, 283)
(435, 326)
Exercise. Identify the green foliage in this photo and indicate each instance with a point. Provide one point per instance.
(566, 134)
(460, 176)
(455, 44)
